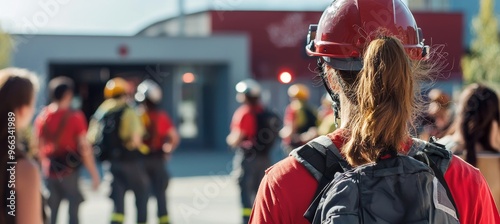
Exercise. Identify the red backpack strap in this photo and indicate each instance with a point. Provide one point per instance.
(153, 128)
(60, 129)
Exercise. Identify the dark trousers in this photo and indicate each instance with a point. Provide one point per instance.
(159, 178)
(64, 188)
(250, 170)
(129, 175)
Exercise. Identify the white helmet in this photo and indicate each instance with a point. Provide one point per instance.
(249, 87)
(148, 89)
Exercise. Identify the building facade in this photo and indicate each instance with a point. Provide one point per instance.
(197, 78)
(198, 71)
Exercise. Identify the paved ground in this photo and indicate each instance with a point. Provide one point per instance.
(193, 200)
(201, 192)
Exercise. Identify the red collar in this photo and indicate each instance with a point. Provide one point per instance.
(340, 136)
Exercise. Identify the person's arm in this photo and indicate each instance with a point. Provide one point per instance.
(288, 127)
(486, 211)
(38, 144)
(266, 208)
(235, 138)
(28, 193)
(88, 160)
(243, 124)
(37, 140)
(174, 138)
(309, 134)
(92, 132)
(85, 149)
(471, 193)
(171, 134)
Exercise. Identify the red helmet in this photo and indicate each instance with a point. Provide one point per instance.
(347, 27)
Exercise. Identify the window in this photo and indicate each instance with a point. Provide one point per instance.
(429, 5)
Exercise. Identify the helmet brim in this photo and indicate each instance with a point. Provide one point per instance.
(344, 64)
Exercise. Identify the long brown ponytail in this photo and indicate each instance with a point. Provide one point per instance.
(385, 99)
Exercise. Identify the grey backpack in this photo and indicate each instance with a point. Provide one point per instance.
(401, 189)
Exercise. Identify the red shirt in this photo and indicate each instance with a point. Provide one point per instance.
(288, 188)
(159, 127)
(76, 126)
(244, 120)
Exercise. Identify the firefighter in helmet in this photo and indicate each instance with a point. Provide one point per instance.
(116, 131)
(249, 141)
(300, 119)
(161, 138)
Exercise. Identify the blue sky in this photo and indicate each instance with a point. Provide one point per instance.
(119, 17)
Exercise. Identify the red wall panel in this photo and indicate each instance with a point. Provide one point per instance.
(443, 32)
(277, 39)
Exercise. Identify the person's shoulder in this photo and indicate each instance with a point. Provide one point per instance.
(161, 116)
(43, 111)
(77, 114)
(463, 169)
(161, 113)
(27, 170)
(288, 170)
(48, 112)
(41, 117)
(296, 105)
(243, 111)
(127, 110)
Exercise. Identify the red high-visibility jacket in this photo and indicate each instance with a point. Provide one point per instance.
(288, 188)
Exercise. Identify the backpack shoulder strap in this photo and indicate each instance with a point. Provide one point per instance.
(322, 159)
(56, 138)
(434, 151)
(313, 156)
(437, 158)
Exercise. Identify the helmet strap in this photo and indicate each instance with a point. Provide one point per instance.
(333, 95)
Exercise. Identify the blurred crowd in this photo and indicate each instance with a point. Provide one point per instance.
(136, 137)
(130, 133)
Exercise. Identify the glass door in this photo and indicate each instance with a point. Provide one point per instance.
(188, 93)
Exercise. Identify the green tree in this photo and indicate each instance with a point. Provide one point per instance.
(483, 62)
(5, 49)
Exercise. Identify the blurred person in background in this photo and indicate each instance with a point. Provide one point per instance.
(253, 132)
(475, 133)
(63, 147)
(439, 115)
(377, 99)
(161, 138)
(326, 116)
(18, 88)
(300, 119)
(27, 142)
(325, 108)
(116, 132)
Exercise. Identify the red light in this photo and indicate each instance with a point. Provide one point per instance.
(285, 77)
(188, 77)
